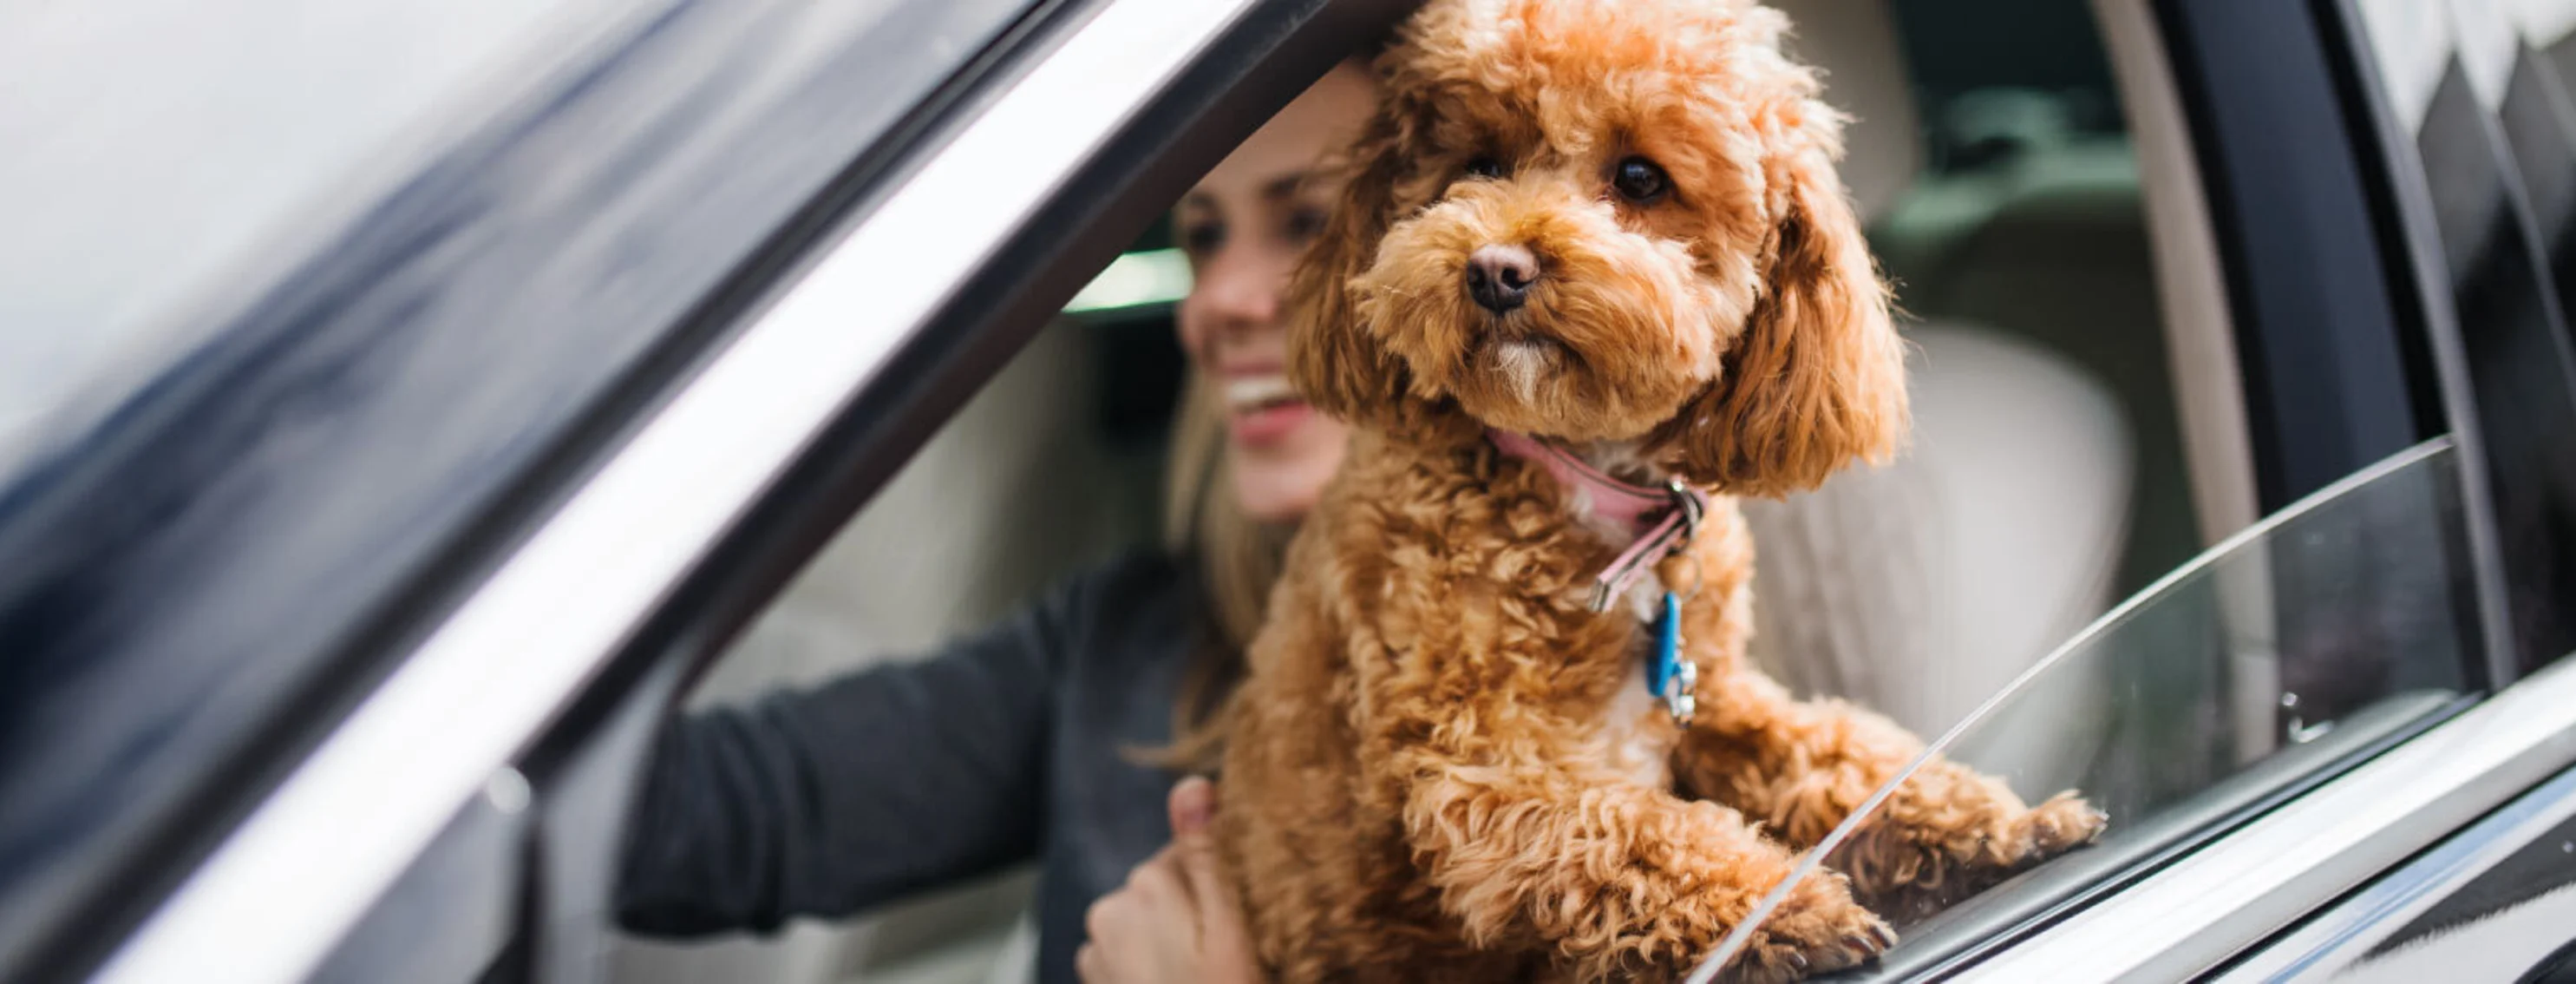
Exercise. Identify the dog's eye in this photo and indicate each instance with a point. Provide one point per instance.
(1484, 166)
(1639, 180)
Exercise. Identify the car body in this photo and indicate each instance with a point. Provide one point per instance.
(352, 565)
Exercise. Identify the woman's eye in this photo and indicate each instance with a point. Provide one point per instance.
(1304, 225)
(1639, 180)
(1201, 239)
(1484, 166)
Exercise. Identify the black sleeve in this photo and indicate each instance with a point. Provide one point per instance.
(829, 801)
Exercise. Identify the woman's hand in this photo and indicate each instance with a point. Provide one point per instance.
(1175, 920)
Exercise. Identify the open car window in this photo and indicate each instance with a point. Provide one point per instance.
(812, 361)
(2318, 636)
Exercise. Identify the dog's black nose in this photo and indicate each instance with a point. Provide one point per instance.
(1499, 276)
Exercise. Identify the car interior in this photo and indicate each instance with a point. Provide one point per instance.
(2029, 218)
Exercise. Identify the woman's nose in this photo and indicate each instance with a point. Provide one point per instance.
(1242, 295)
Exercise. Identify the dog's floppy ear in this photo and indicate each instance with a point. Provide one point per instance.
(1332, 358)
(1818, 377)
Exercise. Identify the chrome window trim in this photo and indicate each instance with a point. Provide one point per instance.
(2237, 891)
(274, 896)
(2338, 938)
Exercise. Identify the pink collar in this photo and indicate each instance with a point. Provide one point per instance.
(1662, 521)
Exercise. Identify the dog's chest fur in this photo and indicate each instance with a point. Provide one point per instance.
(1427, 592)
(1636, 735)
(1636, 731)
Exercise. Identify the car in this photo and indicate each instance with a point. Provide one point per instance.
(404, 412)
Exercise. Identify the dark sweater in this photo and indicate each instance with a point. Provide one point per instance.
(1002, 748)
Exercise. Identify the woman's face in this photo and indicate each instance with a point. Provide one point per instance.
(1243, 226)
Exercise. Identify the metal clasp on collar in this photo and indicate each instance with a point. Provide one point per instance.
(1692, 507)
(1602, 595)
(1675, 532)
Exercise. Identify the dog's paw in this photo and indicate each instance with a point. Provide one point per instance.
(2052, 828)
(1818, 929)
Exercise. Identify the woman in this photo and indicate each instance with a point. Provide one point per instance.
(1021, 743)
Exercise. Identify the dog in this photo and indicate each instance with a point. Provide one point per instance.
(1593, 277)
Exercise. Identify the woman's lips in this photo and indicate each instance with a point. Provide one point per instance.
(1271, 423)
(1262, 409)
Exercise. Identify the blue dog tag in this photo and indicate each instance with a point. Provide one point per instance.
(1667, 676)
(1668, 646)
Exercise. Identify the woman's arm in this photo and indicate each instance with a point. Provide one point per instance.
(828, 801)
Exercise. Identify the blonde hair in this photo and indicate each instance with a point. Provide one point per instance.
(1235, 557)
(1236, 560)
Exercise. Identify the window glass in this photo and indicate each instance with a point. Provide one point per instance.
(2354, 592)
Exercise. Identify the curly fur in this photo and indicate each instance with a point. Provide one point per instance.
(1437, 769)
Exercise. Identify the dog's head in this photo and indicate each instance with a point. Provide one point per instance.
(1606, 220)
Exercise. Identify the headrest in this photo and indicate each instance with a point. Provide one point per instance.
(1855, 42)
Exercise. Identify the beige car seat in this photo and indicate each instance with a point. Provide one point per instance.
(1921, 587)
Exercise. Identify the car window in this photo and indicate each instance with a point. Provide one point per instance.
(954, 545)
(2332, 628)
(1085, 412)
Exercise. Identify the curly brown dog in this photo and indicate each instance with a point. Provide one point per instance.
(1608, 236)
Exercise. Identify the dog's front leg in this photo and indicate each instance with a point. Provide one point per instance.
(1803, 767)
(1620, 881)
